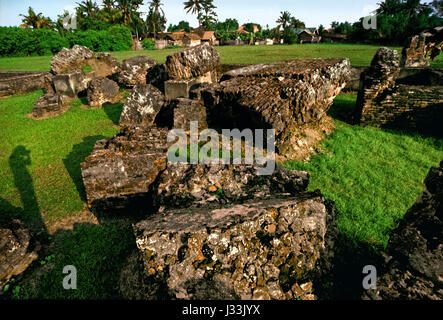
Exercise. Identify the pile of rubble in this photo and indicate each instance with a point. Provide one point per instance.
(224, 225)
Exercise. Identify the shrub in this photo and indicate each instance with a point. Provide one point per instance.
(27, 42)
(148, 44)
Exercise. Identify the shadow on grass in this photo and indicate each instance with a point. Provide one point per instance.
(30, 214)
(98, 252)
(343, 109)
(76, 157)
(113, 111)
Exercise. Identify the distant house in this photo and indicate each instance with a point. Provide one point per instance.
(308, 36)
(191, 40)
(209, 37)
(175, 38)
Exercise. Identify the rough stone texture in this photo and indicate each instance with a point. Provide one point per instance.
(414, 270)
(18, 249)
(270, 249)
(70, 84)
(414, 53)
(184, 185)
(280, 96)
(179, 88)
(135, 70)
(120, 170)
(68, 59)
(47, 105)
(419, 47)
(193, 62)
(142, 106)
(412, 102)
(187, 110)
(157, 75)
(21, 82)
(102, 64)
(101, 91)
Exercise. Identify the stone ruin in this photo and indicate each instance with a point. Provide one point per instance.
(414, 258)
(74, 71)
(219, 226)
(18, 249)
(412, 101)
(419, 47)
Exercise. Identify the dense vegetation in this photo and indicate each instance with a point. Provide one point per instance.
(20, 42)
(396, 21)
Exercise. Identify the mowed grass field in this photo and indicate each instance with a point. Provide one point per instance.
(359, 55)
(373, 176)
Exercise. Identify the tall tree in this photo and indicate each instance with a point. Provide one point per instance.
(156, 20)
(129, 11)
(194, 6)
(35, 21)
(284, 20)
(208, 17)
(87, 8)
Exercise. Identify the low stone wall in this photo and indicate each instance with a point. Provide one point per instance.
(399, 98)
(414, 107)
(19, 82)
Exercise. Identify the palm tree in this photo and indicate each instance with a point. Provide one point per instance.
(155, 20)
(87, 8)
(194, 6)
(35, 21)
(284, 20)
(156, 6)
(297, 24)
(108, 5)
(128, 8)
(389, 7)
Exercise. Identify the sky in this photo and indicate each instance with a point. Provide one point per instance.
(264, 12)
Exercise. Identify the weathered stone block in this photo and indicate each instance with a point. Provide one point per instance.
(135, 70)
(18, 250)
(187, 110)
(68, 85)
(280, 96)
(101, 91)
(179, 88)
(270, 249)
(193, 62)
(142, 106)
(47, 105)
(120, 170)
(69, 59)
(183, 185)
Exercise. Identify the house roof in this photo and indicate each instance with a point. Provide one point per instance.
(208, 35)
(176, 36)
(192, 36)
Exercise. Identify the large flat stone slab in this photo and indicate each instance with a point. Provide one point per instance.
(270, 249)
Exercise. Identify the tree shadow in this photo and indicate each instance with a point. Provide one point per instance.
(30, 214)
(113, 111)
(76, 157)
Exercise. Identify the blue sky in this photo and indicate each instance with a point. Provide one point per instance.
(265, 12)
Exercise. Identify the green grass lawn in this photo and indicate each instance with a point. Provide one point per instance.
(373, 176)
(359, 55)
